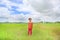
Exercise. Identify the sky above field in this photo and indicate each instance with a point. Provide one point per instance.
(21, 10)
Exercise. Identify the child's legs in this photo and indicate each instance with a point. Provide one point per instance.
(29, 31)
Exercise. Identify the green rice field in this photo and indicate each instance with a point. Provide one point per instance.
(18, 31)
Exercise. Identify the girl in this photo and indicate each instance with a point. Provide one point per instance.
(30, 25)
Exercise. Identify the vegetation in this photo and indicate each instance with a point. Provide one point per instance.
(18, 31)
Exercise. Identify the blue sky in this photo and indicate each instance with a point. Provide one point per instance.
(12, 12)
(17, 1)
(21, 10)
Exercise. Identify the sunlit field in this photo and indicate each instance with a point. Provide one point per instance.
(18, 31)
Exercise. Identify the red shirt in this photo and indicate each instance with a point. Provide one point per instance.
(30, 24)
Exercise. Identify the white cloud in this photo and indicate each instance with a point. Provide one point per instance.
(48, 10)
(4, 14)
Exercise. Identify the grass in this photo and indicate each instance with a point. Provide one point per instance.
(16, 31)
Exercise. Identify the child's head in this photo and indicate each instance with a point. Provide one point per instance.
(29, 19)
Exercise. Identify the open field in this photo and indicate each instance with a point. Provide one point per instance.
(41, 31)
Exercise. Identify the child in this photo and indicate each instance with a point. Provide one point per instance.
(30, 25)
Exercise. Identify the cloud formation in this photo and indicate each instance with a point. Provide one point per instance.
(49, 8)
(21, 10)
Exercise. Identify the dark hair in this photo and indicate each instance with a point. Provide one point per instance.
(29, 18)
